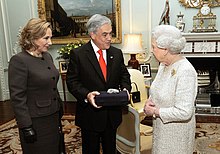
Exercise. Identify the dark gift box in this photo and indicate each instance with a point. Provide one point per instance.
(112, 99)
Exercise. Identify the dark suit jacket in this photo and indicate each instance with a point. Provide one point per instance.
(33, 87)
(84, 75)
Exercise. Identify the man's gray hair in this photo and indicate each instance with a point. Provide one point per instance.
(170, 37)
(96, 21)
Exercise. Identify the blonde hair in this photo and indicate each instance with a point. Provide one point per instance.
(34, 29)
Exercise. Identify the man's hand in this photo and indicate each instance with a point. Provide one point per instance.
(129, 96)
(91, 98)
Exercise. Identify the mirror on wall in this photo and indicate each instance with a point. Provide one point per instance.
(198, 3)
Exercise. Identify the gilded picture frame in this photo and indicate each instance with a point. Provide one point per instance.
(63, 66)
(56, 15)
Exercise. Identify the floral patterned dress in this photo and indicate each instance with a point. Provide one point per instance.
(174, 90)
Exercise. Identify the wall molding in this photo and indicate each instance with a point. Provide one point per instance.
(201, 36)
(7, 42)
(6, 29)
(3, 95)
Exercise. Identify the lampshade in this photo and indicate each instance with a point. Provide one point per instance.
(132, 44)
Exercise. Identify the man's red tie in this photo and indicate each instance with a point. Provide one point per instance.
(102, 63)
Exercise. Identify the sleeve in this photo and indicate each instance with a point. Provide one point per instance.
(186, 91)
(17, 78)
(73, 82)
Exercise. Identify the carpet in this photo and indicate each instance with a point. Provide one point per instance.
(10, 143)
(207, 137)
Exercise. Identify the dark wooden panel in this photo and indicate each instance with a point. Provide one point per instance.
(6, 112)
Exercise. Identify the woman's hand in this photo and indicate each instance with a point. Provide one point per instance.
(149, 107)
(29, 134)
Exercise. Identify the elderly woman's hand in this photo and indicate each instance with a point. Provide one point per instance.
(149, 107)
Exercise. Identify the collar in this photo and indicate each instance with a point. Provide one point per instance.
(95, 48)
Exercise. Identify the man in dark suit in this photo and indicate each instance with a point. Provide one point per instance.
(85, 79)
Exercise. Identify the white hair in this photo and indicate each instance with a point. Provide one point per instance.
(170, 37)
(96, 21)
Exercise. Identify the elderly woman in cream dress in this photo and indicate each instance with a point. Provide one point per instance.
(172, 94)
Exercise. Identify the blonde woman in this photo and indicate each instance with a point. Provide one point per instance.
(33, 90)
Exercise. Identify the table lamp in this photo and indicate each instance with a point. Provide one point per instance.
(133, 45)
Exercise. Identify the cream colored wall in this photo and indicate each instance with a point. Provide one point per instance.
(145, 15)
(13, 15)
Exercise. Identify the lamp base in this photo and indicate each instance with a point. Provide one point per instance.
(133, 62)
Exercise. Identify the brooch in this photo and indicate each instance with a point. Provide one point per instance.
(173, 72)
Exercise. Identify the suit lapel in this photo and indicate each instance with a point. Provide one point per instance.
(93, 60)
(110, 58)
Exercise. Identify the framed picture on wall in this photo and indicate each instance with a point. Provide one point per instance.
(146, 70)
(63, 65)
(68, 18)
